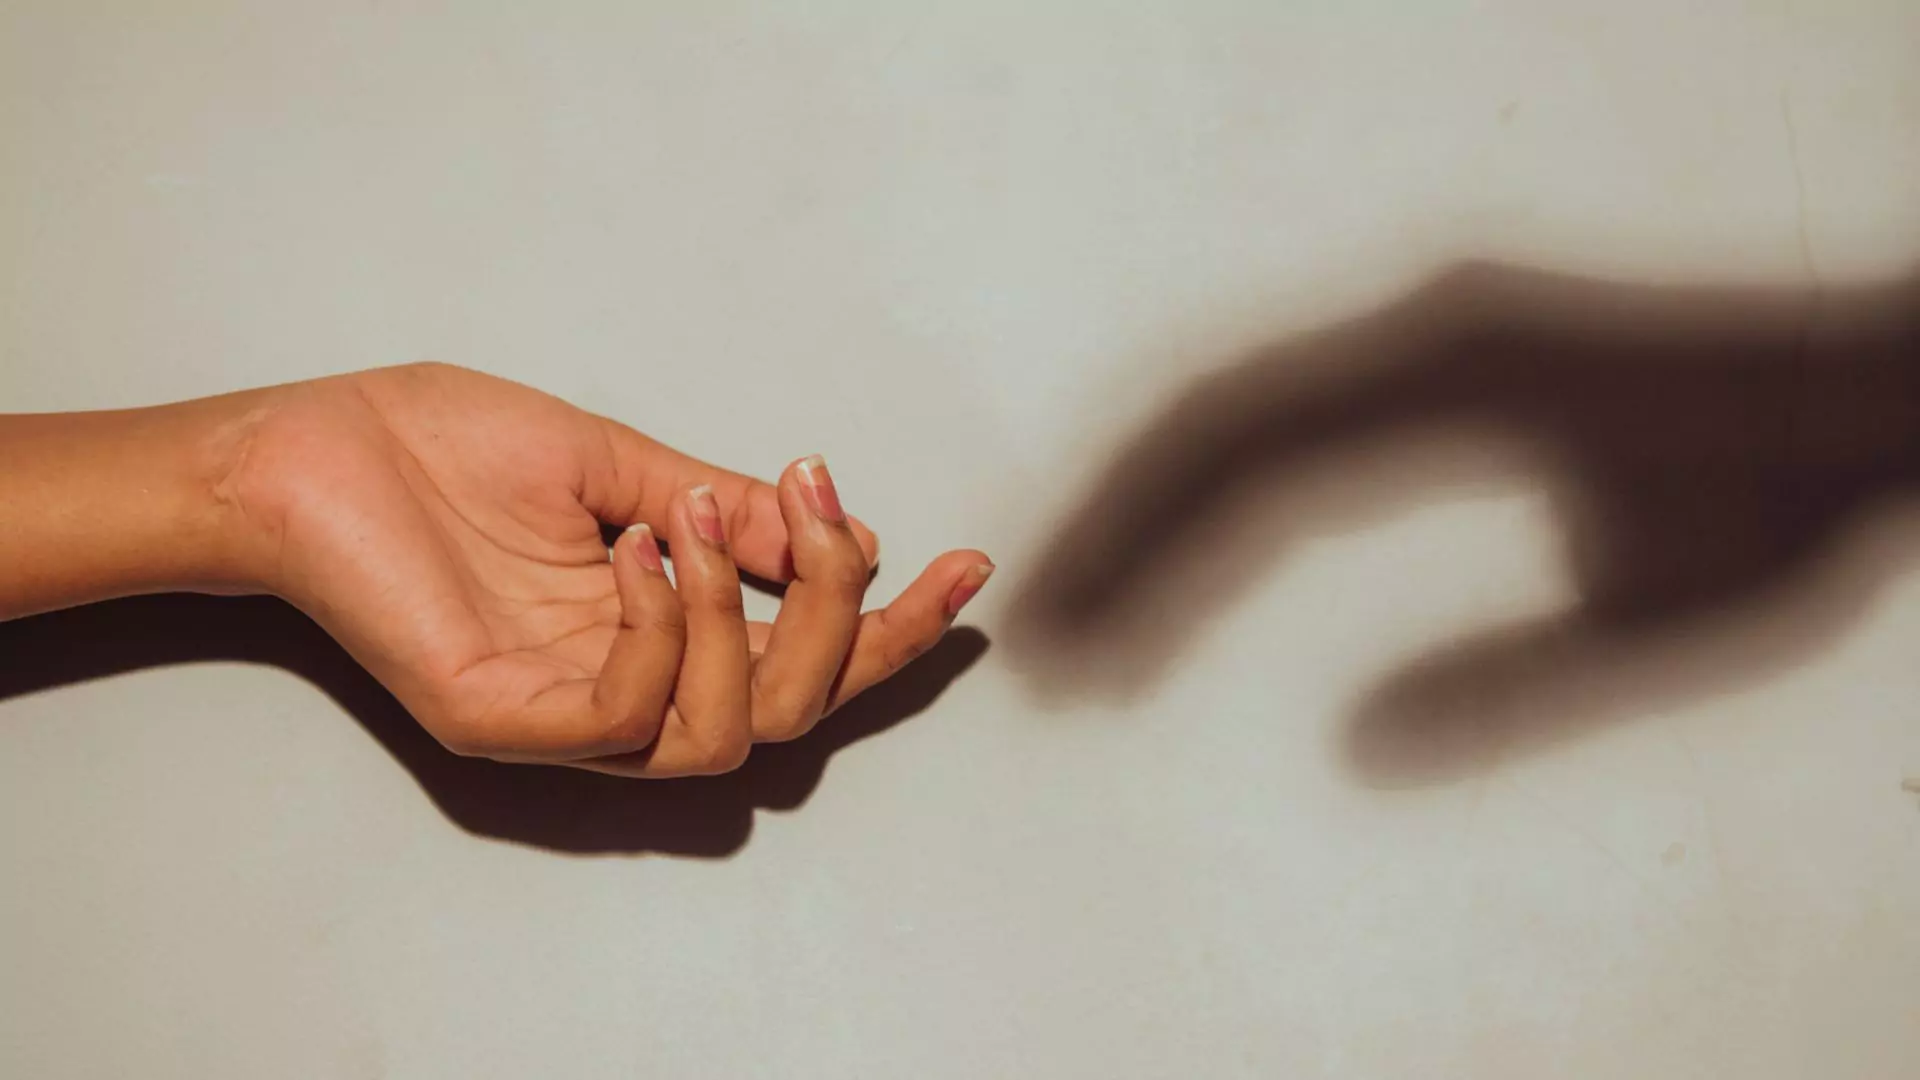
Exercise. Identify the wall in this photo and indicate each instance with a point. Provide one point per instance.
(1299, 736)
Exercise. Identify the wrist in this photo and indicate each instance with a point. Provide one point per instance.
(105, 504)
(225, 547)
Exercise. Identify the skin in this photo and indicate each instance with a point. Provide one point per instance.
(445, 527)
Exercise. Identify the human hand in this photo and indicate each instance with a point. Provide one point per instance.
(445, 527)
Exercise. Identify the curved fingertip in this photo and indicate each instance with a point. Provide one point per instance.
(702, 508)
(817, 487)
(948, 582)
(822, 542)
(809, 498)
(962, 557)
(673, 521)
(972, 580)
(693, 523)
(645, 548)
(797, 519)
(624, 570)
(954, 565)
(634, 554)
(890, 638)
(638, 570)
(790, 491)
(635, 551)
(869, 541)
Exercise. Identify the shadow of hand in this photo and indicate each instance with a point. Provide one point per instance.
(1706, 451)
(560, 809)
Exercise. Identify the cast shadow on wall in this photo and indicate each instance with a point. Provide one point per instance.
(1722, 463)
(560, 809)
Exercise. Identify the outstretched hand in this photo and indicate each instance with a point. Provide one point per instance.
(445, 527)
(1708, 454)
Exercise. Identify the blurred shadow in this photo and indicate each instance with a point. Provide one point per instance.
(560, 809)
(1715, 457)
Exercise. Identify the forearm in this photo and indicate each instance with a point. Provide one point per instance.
(103, 504)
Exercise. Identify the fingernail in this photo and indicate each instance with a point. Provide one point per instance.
(645, 549)
(817, 483)
(706, 515)
(969, 586)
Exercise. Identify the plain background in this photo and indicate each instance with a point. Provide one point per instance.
(962, 250)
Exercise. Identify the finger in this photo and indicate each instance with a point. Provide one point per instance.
(637, 679)
(889, 639)
(810, 636)
(885, 641)
(1276, 420)
(1475, 703)
(709, 729)
(637, 478)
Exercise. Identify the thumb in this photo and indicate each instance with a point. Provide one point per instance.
(633, 479)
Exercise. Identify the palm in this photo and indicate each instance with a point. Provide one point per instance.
(496, 549)
(450, 558)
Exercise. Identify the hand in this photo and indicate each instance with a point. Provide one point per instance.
(445, 527)
(1713, 457)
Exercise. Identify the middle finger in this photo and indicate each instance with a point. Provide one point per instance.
(810, 636)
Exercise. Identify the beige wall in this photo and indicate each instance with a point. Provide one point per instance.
(970, 252)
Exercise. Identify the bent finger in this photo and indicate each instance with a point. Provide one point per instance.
(811, 635)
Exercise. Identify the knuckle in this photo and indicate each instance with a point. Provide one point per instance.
(849, 579)
(725, 598)
(779, 733)
(723, 755)
(845, 572)
(668, 622)
(639, 728)
(781, 717)
(903, 651)
(788, 732)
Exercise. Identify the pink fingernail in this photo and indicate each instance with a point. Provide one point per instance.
(818, 485)
(706, 515)
(646, 550)
(969, 586)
